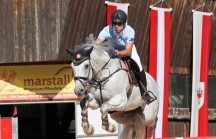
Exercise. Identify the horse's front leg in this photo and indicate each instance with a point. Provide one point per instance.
(115, 103)
(106, 125)
(84, 104)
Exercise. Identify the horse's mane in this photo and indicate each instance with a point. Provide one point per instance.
(99, 48)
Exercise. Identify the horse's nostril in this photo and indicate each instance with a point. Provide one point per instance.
(81, 90)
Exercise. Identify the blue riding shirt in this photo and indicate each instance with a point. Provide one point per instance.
(117, 40)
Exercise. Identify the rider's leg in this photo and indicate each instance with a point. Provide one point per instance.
(135, 57)
(143, 89)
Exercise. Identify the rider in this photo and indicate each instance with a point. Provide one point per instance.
(121, 36)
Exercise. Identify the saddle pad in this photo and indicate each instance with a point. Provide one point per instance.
(132, 70)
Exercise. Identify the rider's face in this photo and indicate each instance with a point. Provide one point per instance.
(118, 26)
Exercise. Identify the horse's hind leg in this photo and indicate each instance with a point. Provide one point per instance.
(152, 129)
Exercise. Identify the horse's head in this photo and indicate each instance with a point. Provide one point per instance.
(89, 58)
(81, 68)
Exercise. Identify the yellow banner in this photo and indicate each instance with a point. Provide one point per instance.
(36, 83)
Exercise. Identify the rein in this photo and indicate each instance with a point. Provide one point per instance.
(99, 82)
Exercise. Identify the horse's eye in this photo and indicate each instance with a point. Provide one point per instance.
(86, 66)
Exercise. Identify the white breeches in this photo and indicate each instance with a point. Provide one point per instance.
(135, 57)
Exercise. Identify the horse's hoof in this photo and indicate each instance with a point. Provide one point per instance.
(112, 128)
(93, 130)
(89, 131)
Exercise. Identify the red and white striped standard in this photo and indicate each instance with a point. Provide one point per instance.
(8, 128)
(111, 7)
(159, 62)
(201, 45)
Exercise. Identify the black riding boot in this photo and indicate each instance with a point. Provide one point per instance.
(143, 87)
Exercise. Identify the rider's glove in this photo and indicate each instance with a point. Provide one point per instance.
(117, 53)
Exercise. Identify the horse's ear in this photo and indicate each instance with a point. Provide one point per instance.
(71, 52)
(88, 51)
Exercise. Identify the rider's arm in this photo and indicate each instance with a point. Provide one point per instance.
(129, 44)
(103, 35)
(98, 41)
(127, 51)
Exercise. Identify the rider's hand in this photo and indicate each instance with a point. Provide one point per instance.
(117, 53)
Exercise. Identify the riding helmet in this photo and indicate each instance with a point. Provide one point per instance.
(119, 16)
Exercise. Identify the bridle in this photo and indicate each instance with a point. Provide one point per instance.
(96, 82)
(86, 79)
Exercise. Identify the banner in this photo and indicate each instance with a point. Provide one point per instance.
(36, 83)
(159, 62)
(111, 7)
(201, 45)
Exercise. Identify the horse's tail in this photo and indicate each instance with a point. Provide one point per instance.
(134, 131)
(126, 132)
(139, 127)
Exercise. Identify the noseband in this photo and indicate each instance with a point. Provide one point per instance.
(80, 78)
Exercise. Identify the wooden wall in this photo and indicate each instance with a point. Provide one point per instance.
(31, 30)
(181, 128)
(179, 122)
(40, 30)
(86, 17)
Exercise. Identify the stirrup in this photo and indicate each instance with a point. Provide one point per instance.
(153, 99)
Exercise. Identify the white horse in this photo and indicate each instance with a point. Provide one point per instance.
(103, 79)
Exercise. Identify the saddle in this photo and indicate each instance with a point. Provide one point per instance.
(133, 73)
(133, 70)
